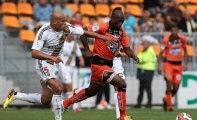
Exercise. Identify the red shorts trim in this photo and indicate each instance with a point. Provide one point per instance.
(98, 71)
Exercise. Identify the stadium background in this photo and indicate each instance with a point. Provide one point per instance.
(17, 34)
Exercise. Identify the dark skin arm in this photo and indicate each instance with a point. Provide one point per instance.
(185, 59)
(42, 56)
(129, 52)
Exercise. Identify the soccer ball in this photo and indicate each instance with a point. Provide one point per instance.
(183, 116)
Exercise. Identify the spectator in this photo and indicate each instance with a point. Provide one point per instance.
(145, 24)
(146, 69)
(152, 6)
(130, 25)
(64, 9)
(54, 2)
(168, 22)
(187, 23)
(42, 12)
(158, 25)
(174, 12)
(77, 19)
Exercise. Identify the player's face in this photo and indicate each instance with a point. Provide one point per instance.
(174, 31)
(116, 23)
(60, 23)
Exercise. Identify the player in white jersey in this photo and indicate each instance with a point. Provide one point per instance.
(46, 48)
(118, 69)
(69, 52)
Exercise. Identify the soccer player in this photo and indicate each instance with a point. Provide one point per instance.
(102, 62)
(172, 47)
(46, 48)
(68, 54)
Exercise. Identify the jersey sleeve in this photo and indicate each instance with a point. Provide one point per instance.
(78, 51)
(125, 40)
(75, 30)
(164, 44)
(39, 40)
(184, 41)
(95, 28)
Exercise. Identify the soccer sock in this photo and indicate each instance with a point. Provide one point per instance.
(81, 95)
(169, 100)
(68, 95)
(32, 98)
(122, 103)
(57, 106)
(116, 105)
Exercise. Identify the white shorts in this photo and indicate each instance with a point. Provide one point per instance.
(117, 67)
(45, 70)
(66, 73)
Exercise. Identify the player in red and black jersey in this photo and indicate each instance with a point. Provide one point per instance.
(102, 61)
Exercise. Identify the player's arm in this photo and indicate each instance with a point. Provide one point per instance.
(42, 56)
(160, 57)
(185, 55)
(129, 52)
(38, 45)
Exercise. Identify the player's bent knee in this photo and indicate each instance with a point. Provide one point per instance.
(122, 86)
(45, 102)
(174, 92)
(90, 94)
(57, 90)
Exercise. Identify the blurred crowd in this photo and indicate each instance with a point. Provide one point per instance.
(157, 15)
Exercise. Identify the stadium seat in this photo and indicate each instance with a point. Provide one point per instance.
(192, 1)
(102, 9)
(85, 20)
(27, 35)
(136, 1)
(135, 10)
(25, 8)
(190, 50)
(74, 7)
(100, 20)
(182, 1)
(23, 19)
(192, 9)
(122, 1)
(11, 21)
(117, 5)
(182, 8)
(87, 9)
(9, 8)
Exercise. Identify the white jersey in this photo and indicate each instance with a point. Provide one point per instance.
(117, 67)
(69, 53)
(51, 42)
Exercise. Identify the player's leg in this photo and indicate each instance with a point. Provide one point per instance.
(149, 93)
(83, 94)
(56, 88)
(118, 82)
(116, 103)
(177, 78)
(141, 93)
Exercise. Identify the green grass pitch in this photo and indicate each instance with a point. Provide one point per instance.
(91, 114)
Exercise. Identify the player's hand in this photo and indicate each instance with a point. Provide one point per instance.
(185, 67)
(110, 41)
(81, 63)
(159, 70)
(88, 54)
(57, 60)
(137, 60)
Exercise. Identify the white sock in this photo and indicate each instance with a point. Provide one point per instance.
(75, 105)
(57, 106)
(32, 98)
(116, 105)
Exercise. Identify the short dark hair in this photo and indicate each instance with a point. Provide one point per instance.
(173, 26)
(115, 9)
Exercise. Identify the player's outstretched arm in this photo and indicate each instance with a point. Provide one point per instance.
(129, 52)
(42, 56)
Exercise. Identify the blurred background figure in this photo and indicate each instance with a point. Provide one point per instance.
(42, 12)
(145, 69)
(69, 53)
(103, 103)
(64, 9)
